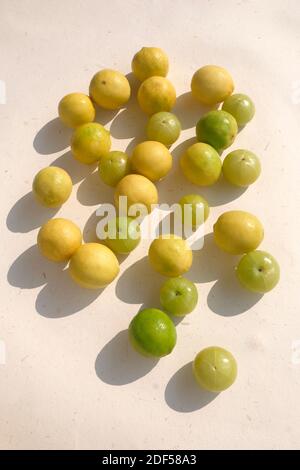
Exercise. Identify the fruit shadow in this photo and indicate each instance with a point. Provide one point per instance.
(175, 185)
(189, 110)
(77, 171)
(182, 393)
(52, 137)
(59, 296)
(93, 191)
(118, 364)
(226, 297)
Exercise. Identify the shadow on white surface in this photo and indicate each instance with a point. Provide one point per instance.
(118, 364)
(93, 191)
(189, 110)
(77, 171)
(146, 284)
(104, 116)
(27, 214)
(52, 137)
(182, 393)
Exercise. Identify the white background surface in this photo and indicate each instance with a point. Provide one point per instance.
(69, 379)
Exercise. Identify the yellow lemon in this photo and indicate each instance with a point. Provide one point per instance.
(93, 266)
(156, 94)
(110, 89)
(138, 189)
(149, 62)
(238, 232)
(90, 142)
(52, 186)
(76, 109)
(170, 255)
(211, 84)
(201, 164)
(151, 159)
(58, 239)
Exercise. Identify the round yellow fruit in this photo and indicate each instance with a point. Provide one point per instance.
(76, 109)
(201, 164)
(150, 62)
(58, 239)
(238, 232)
(211, 84)
(110, 89)
(52, 186)
(138, 189)
(151, 159)
(90, 142)
(93, 266)
(170, 255)
(156, 94)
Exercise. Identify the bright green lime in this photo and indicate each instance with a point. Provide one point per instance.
(217, 128)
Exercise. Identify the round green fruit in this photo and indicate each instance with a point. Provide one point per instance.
(258, 271)
(241, 107)
(90, 142)
(195, 208)
(163, 127)
(217, 128)
(178, 296)
(241, 167)
(113, 167)
(215, 369)
(201, 164)
(123, 234)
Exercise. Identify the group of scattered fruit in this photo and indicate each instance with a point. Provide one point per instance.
(94, 265)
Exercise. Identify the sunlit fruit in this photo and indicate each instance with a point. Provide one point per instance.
(215, 369)
(156, 94)
(52, 186)
(211, 84)
(90, 142)
(76, 109)
(150, 62)
(152, 333)
(195, 209)
(113, 167)
(217, 128)
(163, 127)
(170, 255)
(241, 107)
(123, 234)
(58, 239)
(201, 164)
(151, 159)
(241, 167)
(110, 89)
(139, 190)
(258, 271)
(178, 296)
(93, 266)
(238, 232)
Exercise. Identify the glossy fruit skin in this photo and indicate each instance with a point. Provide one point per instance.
(76, 109)
(93, 266)
(163, 127)
(215, 369)
(198, 203)
(151, 159)
(201, 164)
(217, 128)
(110, 89)
(258, 271)
(156, 94)
(178, 296)
(238, 232)
(170, 255)
(90, 142)
(113, 167)
(138, 189)
(152, 333)
(125, 234)
(211, 84)
(241, 167)
(241, 107)
(52, 186)
(58, 239)
(150, 62)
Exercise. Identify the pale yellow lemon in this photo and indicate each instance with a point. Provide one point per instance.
(90, 142)
(52, 186)
(170, 255)
(149, 62)
(58, 239)
(238, 232)
(211, 84)
(151, 159)
(138, 189)
(156, 94)
(110, 89)
(93, 266)
(76, 109)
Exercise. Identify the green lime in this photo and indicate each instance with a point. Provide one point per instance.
(152, 333)
(217, 128)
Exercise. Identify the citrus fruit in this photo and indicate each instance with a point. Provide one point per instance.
(215, 369)
(211, 84)
(151, 159)
(124, 234)
(76, 109)
(156, 94)
(109, 89)
(258, 271)
(138, 189)
(52, 186)
(178, 296)
(149, 62)
(113, 167)
(241, 107)
(58, 239)
(241, 167)
(217, 128)
(201, 164)
(163, 127)
(170, 255)
(90, 142)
